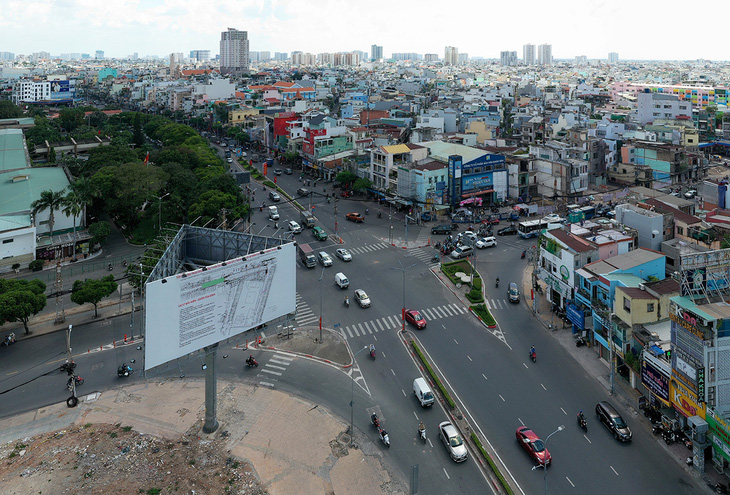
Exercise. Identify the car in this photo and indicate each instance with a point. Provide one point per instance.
(414, 318)
(319, 233)
(441, 229)
(511, 230)
(613, 421)
(294, 227)
(533, 446)
(553, 218)
(461, 252)
(287, 171)
(302, 191)
(690, 194)
(274, 196)
(324, 258)
(277, 171)
(355, 217)
(453, 442)
(491, 221)
(343, 254)
(362, 298)
(229, 159)
(486, 242)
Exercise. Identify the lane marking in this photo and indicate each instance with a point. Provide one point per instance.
(586, 437)
(571, 483)
(523, 364)
(500, 396)
(612, 469)
(484, 376)
(469, 358)
(563, 411)
(391, 370)
(447, 474)
(543, 387)
(455, 342)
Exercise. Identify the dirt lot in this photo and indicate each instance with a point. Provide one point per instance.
(114, 459)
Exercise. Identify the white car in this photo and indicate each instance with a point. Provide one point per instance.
(343, 254)
(324, 258)
(553, 218)
(467, 234)
(453, 442)
(294, 227)
(362, 298)
(486, 242)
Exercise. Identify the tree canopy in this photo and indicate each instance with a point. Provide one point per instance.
(93, 291)
(21, 299)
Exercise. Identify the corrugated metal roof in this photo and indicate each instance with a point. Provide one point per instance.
(13, 222)
(396, 148)
(17, 196)
(12, 151)
(441, 151)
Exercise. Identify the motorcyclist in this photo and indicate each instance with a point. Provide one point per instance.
(367, 211)
(250, 359)
(421, 426)
(581, 417)
(532, 351)
(347, 301)
(497, 281)
(383, 433)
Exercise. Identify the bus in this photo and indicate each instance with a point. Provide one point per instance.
(531, 228)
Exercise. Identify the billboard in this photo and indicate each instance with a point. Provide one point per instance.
(191, 310)
(476, 181)
(61, 90)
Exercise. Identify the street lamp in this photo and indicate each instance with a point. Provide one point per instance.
(159, 209)
(544, 464)
(352, 400)
(403, 312)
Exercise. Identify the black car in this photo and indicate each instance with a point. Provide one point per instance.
(441, 229)
(302, 191)
(613, 421)
(511, 230)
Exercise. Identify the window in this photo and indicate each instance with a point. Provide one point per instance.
(627, 304)
(7, 241)
(649, 307)
(680, 230)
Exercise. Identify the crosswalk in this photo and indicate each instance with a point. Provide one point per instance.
(424, 254)
(274, 368)
(497, 304)
(369, 248)
(394, 321)
(304, 314)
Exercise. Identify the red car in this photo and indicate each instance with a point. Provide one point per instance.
(345, 194)
(533, 446)
(415, 318)
(355, 217)
(491, 221)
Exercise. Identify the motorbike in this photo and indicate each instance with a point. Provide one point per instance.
(372, 351)
(111, 267)
(435, 259)
(367, 211)
(375, 421)
(9, 339)
(497, 283)
(380, 214)
(582, 422)
(657, 428)
(124, 370)
(524, 253)
(384, 437)
(347, 302)
(580, 341)
(124, 262)
(669, 436)
(533, 355)
(422, 432)
(70, 383)
(251, 362)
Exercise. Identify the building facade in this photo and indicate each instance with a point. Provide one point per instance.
(545, 54)
(234, 51)
(528, 54)
(451, 55)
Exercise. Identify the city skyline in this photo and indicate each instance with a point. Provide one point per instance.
(161, 27)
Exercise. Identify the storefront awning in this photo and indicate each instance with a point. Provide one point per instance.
(479, 193)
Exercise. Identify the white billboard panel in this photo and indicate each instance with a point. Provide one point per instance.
(187, 312)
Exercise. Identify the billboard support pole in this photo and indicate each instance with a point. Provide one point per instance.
(211, 385)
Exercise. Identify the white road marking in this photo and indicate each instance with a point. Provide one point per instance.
(520, 420)
(391, 370)
(543, 387)
(276, 367)
(523, 364)
(612, 469)
(469, 358)
(269, 384)
(571, 483)
(586, 437)
(484, 376)
(563, 411)
(382, 328)
(446, 310)
(455, 342)
(447, 474)
(500, 396)
(271, 372)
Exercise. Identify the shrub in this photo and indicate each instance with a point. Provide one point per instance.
(36, 265)
(491, 463)
(475, 295)
(484, 313)
(435, 378)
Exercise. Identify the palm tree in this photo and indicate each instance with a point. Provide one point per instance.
(73, 206)
(49, 200)
(85, 191)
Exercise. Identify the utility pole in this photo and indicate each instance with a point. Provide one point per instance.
(335, 212)
(60, 315)
(70, 368)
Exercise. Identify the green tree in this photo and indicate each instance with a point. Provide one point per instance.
(73, 205)
(71, 118)
(21, 299)
(49, 200)
(127, 188)
(361, 184)
(52, 155)
(93, 291)
(346, 178)
(210, 205)
(99, 232)
(138, 135)
(9, 110)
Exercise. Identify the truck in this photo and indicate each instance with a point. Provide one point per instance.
(307, 219)
(307, 255)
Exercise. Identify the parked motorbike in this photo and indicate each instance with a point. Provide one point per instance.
(124, 370)
(422, 432)
(582, 422)
(657, 428)
(669, 437)
(251, 362)
(9, 339)
(580, 341)
(384, 437)
(70, 383)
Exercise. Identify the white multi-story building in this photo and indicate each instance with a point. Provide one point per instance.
(545, 54)
(376, 52)
(27, 91)
(200, 55)
(655, 106)
(508, 58)
(528, 54)
(613, 58)
(234, 51)
(451, 55)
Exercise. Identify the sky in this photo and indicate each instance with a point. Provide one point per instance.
(639, 30)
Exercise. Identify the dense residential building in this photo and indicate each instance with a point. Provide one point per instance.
(700, 95)
(409, 56)
(451, 55)
(234, 51)
(528, 54)
(656, 106)
(50, 90)
(431, 57)
(545, 54)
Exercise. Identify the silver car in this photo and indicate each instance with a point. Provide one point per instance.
(343, 254)
(362, 298)
(453, 442)
(324, 258)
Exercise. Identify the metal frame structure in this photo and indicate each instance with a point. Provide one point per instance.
(713, 268)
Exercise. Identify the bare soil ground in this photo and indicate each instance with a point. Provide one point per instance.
(114, 459)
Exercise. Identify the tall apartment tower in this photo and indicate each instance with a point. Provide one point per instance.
(528, 54)
(99, 55)
(451, 55)
(613, 58)
(508, 58)
(234, 51)
(376, 52)
(545, 54)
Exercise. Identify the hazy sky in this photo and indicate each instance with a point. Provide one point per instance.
(636, 30)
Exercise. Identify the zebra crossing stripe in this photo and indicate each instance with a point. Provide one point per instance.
(458, 308)
(349, 331)
(344, 335)
(429, 314)
(446, 310)
(269, 365)
(390, 322)
(271, 372)
(361, 328)
(382, 328)
(368, 327)
(439, 312)
(494, 304)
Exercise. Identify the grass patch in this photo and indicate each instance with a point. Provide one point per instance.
(483, 312)
(492, 465)
(435, 378)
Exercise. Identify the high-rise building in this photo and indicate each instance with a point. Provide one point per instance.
(581, 60)
(431, 57)
(528, 54)
(7, 56)
(376, 52)
(234, 51)
(613, 58)
(463, 58)
(264, 56)
(409, 56)
(99, 55)
(508, 58)
(545, 54)
(200, 55)
(451, 55)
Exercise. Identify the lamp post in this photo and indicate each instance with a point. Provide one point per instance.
(544, 465)
(403, 311)
(352, 400)
(159, 210)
